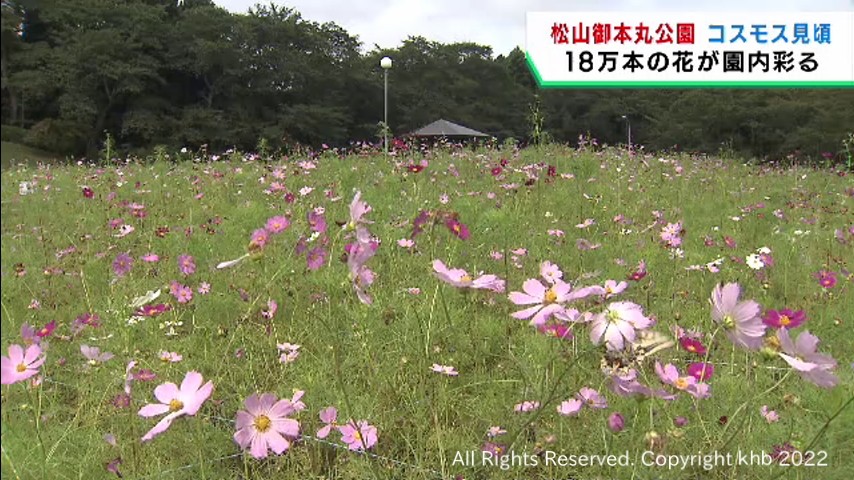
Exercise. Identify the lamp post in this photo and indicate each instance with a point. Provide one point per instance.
(629, 132)
(385, 63)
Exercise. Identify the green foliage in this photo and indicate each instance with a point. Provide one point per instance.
(11, 133)
(56, 135)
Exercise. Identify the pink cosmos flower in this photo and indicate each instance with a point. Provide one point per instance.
(28, 335)
(316, 258)
(770, 415)
(182, 293)
(177, 402)
(328, 416)
(592, 398)
(669, 374)
(269, 312)
(461, 279)
(546, 301)
(570, 408)
(550, 272)
(784, 318)
(358, 436)
(204, 288)
(613, 288)
(186, 264)
(316, 221)
(170, 357)
(277, 224)
(616, 325)
(290, 352)
(802, 356)
(93, 354)
(358, 209)
(740, 320)
(586, 223)
(444, 369)
(258, 239)
(20, 364)
(150, 258)
(265, 425)
(526, 406)
(405, 243)
(626, 384)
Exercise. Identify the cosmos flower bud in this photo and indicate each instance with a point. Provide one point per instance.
(616, 422)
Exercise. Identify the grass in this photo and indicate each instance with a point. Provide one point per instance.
(15, 153)
(373, 361)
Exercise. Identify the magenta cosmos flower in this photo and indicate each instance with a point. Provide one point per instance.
(461, 279)
(784, 318)
(802, 356)
(740, 320)
(176, 402)
(358, 436)
(21, 364)
(265, 425)
(826, 279)
(458, 228)
(616, 325)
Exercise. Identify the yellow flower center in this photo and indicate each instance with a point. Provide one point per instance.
(681, 383)
(550, 296)
(21, 368)
(773, 343)
(729, 322)
(785, 320)
(457, 228)
(175, 405)
(466, 279)
(262, 423)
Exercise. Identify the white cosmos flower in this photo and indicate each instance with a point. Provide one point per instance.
(753, 261)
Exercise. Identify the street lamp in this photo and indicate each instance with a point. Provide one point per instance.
(629, 134)
(386, 64)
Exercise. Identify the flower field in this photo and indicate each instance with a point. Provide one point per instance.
(451, 314)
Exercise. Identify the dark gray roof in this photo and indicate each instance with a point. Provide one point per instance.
(444, 128)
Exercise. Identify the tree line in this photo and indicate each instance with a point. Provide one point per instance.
(159, 72)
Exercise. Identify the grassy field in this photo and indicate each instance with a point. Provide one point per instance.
(15, 153)
(74, 240)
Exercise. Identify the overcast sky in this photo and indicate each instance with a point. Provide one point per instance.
(497, 23)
